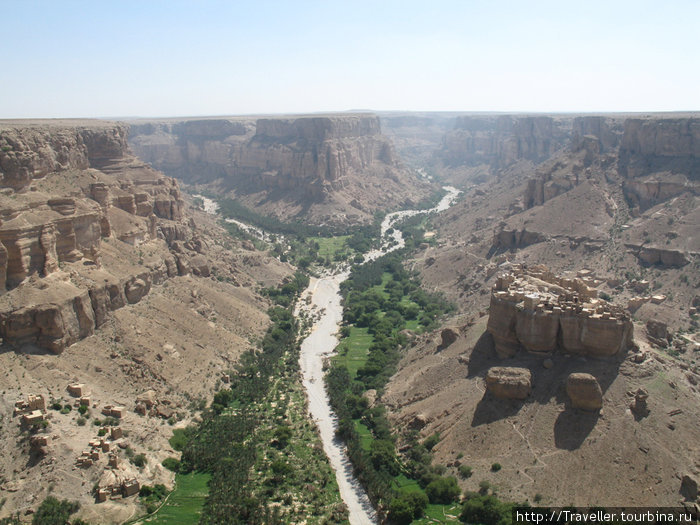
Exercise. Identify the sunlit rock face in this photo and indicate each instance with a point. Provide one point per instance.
(540, 312)
(67, 189)
(301, 162)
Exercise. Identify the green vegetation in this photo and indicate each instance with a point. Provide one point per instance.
(303, 245)
(152, 496)
(381, 300)
(407, 506)
(180, 438)
(55, 512)
(184, 504)
(431, 441)
(171, 464)
(486, 510)
(330, 247)
(464, 471)
(443, 490)
(284, 295)
(260, 453)
(139, 460)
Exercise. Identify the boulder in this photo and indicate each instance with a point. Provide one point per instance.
(509, 382)
(584, 391)
(136, 288)
(148, 398)
(200, 266)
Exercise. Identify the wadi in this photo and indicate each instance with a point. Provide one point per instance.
(528, 333)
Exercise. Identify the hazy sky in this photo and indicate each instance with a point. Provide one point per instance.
(90, 58)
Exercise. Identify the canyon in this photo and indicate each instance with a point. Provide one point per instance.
(607, 200)
(109, 277)
(113, 282)
(330, 169)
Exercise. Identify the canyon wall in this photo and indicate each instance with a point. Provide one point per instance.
(501, 140)
(660, 158)
(267, 153)
(660, 145)
(33, 151)
(71, 234)
(296, 165)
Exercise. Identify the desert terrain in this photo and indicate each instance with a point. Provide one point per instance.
(117, 284)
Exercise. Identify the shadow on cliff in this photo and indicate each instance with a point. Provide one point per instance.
(34, 458)
(483, 356)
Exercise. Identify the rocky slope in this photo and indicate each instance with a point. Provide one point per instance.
(336, 168)
(112, 281)
(614, 203)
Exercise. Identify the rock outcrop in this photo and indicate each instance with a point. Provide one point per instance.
(33, 150)
(654, 145)
(605, 131)
(509, 239)
(584, 392)
(502, 140)
(307, 160)
(86, 190)
(541, 312)
(660, 158)
(509, 382)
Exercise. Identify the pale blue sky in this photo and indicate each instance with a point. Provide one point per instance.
(89, 58)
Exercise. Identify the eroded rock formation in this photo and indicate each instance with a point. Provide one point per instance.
(501, 140)
(660, 158)
(33, 151)
(310, 159)
(54, 237)
(584, 391)
(509, 382)
(541, 312)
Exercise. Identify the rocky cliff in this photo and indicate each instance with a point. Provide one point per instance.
(605, 130)
(500, 141)
(541, 312)
(34, 151)
(660, 158)
(335, 168)
(655, 145)
(77, 242)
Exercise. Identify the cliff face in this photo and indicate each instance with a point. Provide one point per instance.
(33, 152)
(542, 312)
(306, 161)
(501, 140)
(315, 155)
(660, 158)
(69, 232)
(657, 145)
(607, 132)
